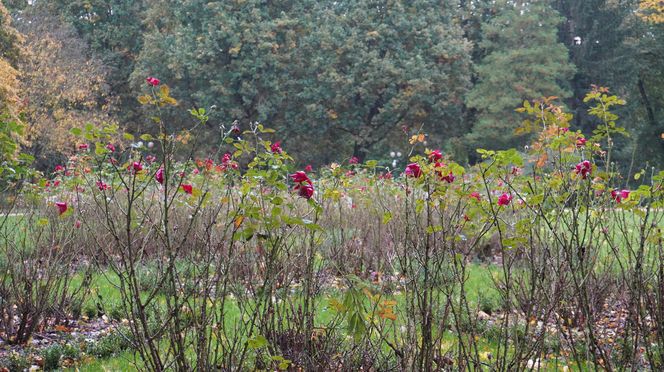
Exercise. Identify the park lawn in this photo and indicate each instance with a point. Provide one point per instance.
(103, 287)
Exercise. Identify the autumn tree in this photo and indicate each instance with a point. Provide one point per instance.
(523, 61)
(113, 30)
(13, 164)
(652, 11)
(63, 84)
(10, 53)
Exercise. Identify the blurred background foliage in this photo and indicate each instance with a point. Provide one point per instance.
(335, 78)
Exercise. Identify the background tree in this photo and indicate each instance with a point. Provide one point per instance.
(648, 144)
(13, 164)
(226, 54)
(10, 53)
(113, 29)
(63, 84)
(523, 60)
(365, 69)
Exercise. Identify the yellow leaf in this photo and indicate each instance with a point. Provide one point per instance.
(238, 221)
(388, 314)
(164, 90)
(144, 100)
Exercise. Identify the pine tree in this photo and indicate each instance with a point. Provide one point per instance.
(523, 61)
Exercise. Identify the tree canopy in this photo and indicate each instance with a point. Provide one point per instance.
(342, 79)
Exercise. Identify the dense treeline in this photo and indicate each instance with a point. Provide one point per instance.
(336, 79)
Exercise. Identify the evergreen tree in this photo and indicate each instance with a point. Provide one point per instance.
(649, 141)
(523, 61)
(223, 54)
(366, 69)
(320, 72)
(596, 32)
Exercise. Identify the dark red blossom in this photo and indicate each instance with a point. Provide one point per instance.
(619, 196)
(62, 207)
(435, 156)
(385, 176)
(303, 186)
(580, 142)
(159, 176)
(504, 199)
(584, 169)
(449, 178)
(413, 170)
(305, 191)
(136, 167)
(300, 177)
(187, 188)
(276, 148)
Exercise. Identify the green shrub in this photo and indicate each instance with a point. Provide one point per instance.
(110, 345)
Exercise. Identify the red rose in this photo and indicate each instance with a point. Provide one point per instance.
(62, 207)
(159, 176)
(136, 167)
(385, 176)
(580, 142)
(305, 191)
(300, 177)
(189, 189)
(619, 196)
(276, 148)
(435, 156)
(449, 178)
(152, 81)
(504, 199)
(584, 168)
(413, 170)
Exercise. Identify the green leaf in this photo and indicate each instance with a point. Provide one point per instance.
(100, 149)
(257, 342)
